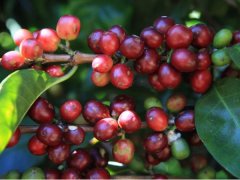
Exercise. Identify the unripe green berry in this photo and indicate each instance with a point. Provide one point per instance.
(222, 38)
(180, 149)
(33, 173)
(220, 58)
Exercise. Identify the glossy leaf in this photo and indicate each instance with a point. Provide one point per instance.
(234, 53)
(18, 92)
(217, 118)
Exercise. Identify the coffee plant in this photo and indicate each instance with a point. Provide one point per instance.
(193, 134)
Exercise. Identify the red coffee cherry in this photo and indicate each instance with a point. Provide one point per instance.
(202, 35)
(102, 63)
(49, 134)
(100, 79)
(80, 159)
(123, 151)
(151, 159)
(179, 36)
(155, 82)
(129, 121)
(176, 102)
(36, 147)
(185, 121)
(121, 103)
(236, 37)
(148, 63)
(184, 60)
(21, 35)
(203, 59)
(94, 110)
(12, 60)
(121, 76)
(30, 49)
(195, 140)
(93, 40)
(157, 119)
(68, 27)
(163, 23)
(100, 156)
(109, 43)
(105, 129)
(201, 81)
(70, 173)
(55, 70)
(164, 154)
(74, 135)
(168, 76)
(132, 47)
(52, 174)
(15, 138)
(98, 173)
(151, 37)
(41, 111)
(48, 39)
(70, 110)
(155, 142)
(58, 154)
(119, 31)
(198, 162)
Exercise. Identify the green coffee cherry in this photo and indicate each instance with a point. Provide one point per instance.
(152, 102)
(33, 173)
(137, 164)
(206, 173)
(222, 175)
(220, 58)
(180, 149)
(12, 175)
(222, 38)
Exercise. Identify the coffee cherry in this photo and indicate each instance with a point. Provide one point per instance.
(198, 162)
(68, 27)
(156, 119)
(148, 62)
(201, 81)
(48, 39)
(21, 35)
(163, 23)
(202, 35)
(119, 31)
(33, 173)
(151, 37)
(168, 76)
(155, 142)
(164, 154)
(93, 40)
(123, 151)
(159, 176)
(203, 59)
(180, 149)
(179, 36)
(55, 70)
(151, 159)
(74, 135)
(12, 60)
(185, 121)
(49, 134)
(207, 173)
(236, 37)
(220, 57)
(52, 174)
(121, 103)
(30, 49)
(102, 63)
(58, 154)
(132, 47)
(129, 121)
(36, 147)
(121, 76)
(222, 38)
(94, 111)
(79, 159)
(184, 60)
(99, 156)
(176, 102)
(109, 43)
(194, 139)
(100, 79)
(41, 111)
(15, 138)
(13, 174)
(70, 110)
(155, 82)
(105, 129)
(98, 173)
(70, 173)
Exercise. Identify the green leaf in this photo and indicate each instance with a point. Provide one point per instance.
(217, 118)
(234, 53)
(18, 92)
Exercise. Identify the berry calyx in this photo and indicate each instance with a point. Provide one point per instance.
(70, 110)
